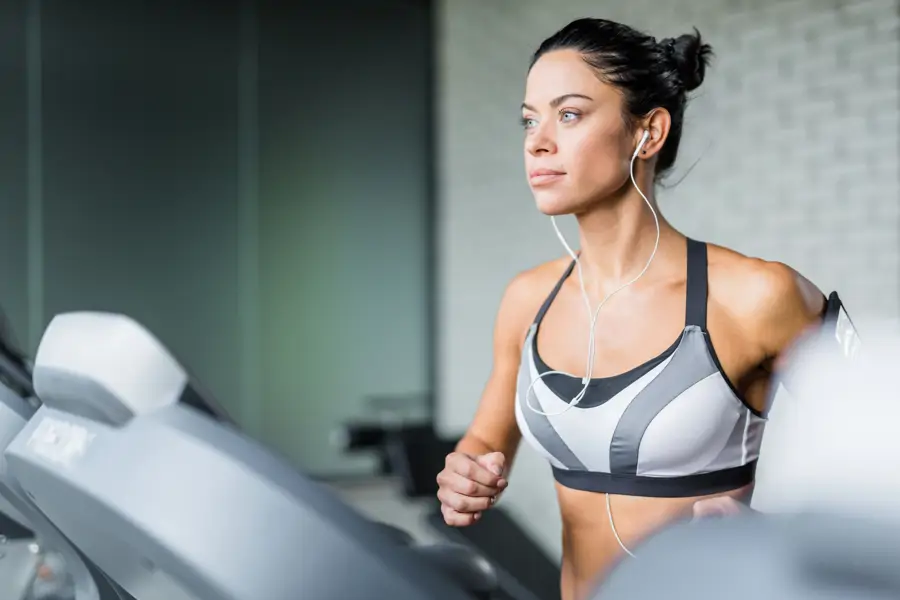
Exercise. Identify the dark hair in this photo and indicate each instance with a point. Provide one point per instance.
(649, 74)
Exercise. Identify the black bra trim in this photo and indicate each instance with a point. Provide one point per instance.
(686, 486)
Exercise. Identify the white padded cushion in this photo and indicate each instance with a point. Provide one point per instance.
(105, 366)
(832, 440)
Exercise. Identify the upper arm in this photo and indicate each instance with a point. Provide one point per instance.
(789, 305)
(494, 423)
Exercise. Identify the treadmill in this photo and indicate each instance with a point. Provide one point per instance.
(172, 503)
(29, 540)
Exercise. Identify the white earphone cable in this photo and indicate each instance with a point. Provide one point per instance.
(612, 525)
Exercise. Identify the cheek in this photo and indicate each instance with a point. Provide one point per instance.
(593, 157)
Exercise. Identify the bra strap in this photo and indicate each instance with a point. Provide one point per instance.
(696, 284)
(552, 296)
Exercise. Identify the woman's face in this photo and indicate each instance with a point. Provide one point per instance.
(577, 145)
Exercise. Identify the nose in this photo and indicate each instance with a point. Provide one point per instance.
(541, 140)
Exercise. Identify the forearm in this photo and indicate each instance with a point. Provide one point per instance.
(473, 446)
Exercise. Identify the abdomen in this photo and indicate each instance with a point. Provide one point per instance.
(590, 547)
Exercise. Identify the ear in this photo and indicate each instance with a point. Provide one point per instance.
(658, 123)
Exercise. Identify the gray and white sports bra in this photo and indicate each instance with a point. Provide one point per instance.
(671, 427)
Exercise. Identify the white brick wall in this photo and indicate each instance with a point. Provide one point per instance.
(796, 133)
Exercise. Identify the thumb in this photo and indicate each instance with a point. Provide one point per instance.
(494, 462)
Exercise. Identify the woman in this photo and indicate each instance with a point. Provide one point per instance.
(665, 418)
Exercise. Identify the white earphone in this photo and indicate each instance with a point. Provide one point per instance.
(586, 380)
(641, 145)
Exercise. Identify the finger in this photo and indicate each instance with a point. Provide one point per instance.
(716, 507)
(470, 469)
(463, 504)
(457, 519)
(495, 462)
(702, 509)
(459, 484)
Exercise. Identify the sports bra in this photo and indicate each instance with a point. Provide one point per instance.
(671, 427)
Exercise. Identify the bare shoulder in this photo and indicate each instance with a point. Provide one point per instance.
(525, 293)
(773, 301)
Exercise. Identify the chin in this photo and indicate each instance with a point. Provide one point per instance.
(555, 211)
(555, 205)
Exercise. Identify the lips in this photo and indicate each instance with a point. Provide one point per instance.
(543, 176)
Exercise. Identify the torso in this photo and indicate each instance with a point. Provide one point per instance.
(590, 549)
(640, 324)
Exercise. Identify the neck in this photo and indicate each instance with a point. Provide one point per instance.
(617, 238)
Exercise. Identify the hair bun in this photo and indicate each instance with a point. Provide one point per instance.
(691, 57)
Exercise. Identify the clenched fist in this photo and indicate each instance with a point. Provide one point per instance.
(469, 485)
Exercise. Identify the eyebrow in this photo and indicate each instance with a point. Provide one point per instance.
(558, 100)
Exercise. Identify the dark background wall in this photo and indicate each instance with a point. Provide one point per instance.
(13, 165)
(250, 180)
(344, 160)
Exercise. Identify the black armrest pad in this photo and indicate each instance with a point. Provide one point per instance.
(403, 538)
(466, 566)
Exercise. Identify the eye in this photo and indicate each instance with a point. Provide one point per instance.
(567, 116)
(527, 123)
